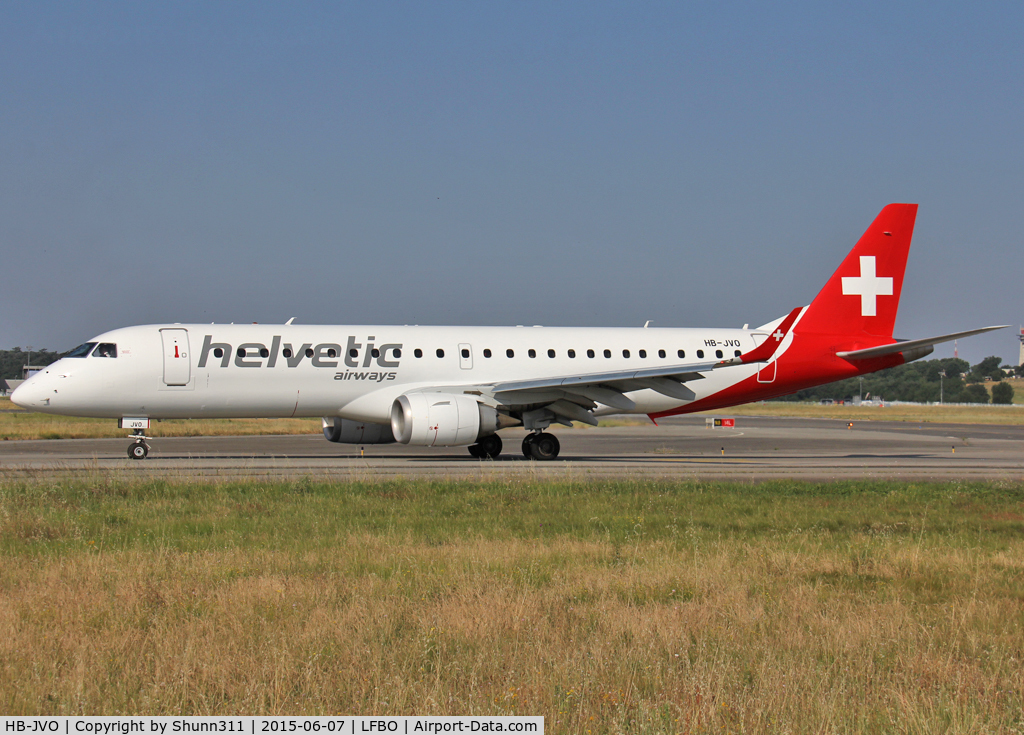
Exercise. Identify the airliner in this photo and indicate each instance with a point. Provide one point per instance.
(458, 386)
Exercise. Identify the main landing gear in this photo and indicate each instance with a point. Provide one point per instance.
(488, 447)
(541, 446)
(138, 449)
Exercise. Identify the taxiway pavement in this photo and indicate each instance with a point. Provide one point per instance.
(680, 448)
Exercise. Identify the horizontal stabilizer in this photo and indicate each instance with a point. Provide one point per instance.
(910, 344)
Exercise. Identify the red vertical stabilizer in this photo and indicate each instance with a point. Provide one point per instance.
(861, 298)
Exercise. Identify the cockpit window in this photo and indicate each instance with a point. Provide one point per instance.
(105, 349)
(81, 350)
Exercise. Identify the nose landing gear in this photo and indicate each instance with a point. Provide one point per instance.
(138, 448)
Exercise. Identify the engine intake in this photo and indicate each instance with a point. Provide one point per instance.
(443, 419)
(347, 431)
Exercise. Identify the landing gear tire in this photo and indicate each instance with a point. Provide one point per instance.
(138, 450)
(541, 446)
(487, 448)
(527, 444)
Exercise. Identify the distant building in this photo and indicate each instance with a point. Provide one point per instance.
(4, 388)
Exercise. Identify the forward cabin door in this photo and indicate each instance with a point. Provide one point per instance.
(466, 357)
(177, 365)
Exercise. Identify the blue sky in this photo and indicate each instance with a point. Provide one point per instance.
(695, 164)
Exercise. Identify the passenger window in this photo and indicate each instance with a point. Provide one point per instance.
(590, 353)
(487, 353)
(240, 352)
(353, 352)
(440, 352)
(551, 353)
(642, 353)
(718, 354)
(571, 353)
(465, 352)
(625, 353)
(681, 353)
(330, 353)
(531, 352)
(286, 352)
(661, 353)
(373, 353)
(736, 353)
(607, 353)
(418, 352)
(106, 349)
(397, 353)
(510, 353)
(218, 352)
(264, 352)
(700, 353)
(81, 350)
(309, 352)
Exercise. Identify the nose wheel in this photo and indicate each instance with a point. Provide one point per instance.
(138, 448)
(541, 446)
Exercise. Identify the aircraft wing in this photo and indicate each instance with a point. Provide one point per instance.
(910, 344)
(574, 397)
(681, 373)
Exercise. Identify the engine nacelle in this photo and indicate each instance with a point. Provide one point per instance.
(347, 431)
(443, 419)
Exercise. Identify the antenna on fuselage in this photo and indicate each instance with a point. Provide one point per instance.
(289, 321)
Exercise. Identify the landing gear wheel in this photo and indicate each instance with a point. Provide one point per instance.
(544, 446)
(491, 445)
(487, 448)
(138, 450)
(527, 444)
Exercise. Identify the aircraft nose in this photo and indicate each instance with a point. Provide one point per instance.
(28, 395)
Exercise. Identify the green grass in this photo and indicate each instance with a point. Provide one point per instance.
(606, 607)
(307, 514)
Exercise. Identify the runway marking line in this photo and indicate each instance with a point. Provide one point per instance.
(719, 460)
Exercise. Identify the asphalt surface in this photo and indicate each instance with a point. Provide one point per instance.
(757, 449)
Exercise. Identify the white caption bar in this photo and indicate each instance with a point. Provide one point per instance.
(266, 725)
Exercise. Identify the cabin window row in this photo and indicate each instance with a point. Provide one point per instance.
(570, 353)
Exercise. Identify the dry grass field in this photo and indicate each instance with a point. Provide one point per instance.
(945, 414)
(606, 607)
(16, 424)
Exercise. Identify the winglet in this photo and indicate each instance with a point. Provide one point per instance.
(764, 351)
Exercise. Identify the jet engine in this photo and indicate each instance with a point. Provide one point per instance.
(444, 419)
(347, 431)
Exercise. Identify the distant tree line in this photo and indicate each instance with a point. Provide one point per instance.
(920, 382)
(12, 361)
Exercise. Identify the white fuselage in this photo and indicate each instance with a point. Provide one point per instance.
(354, 372)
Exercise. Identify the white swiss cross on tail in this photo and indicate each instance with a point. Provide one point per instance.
(867, 285)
